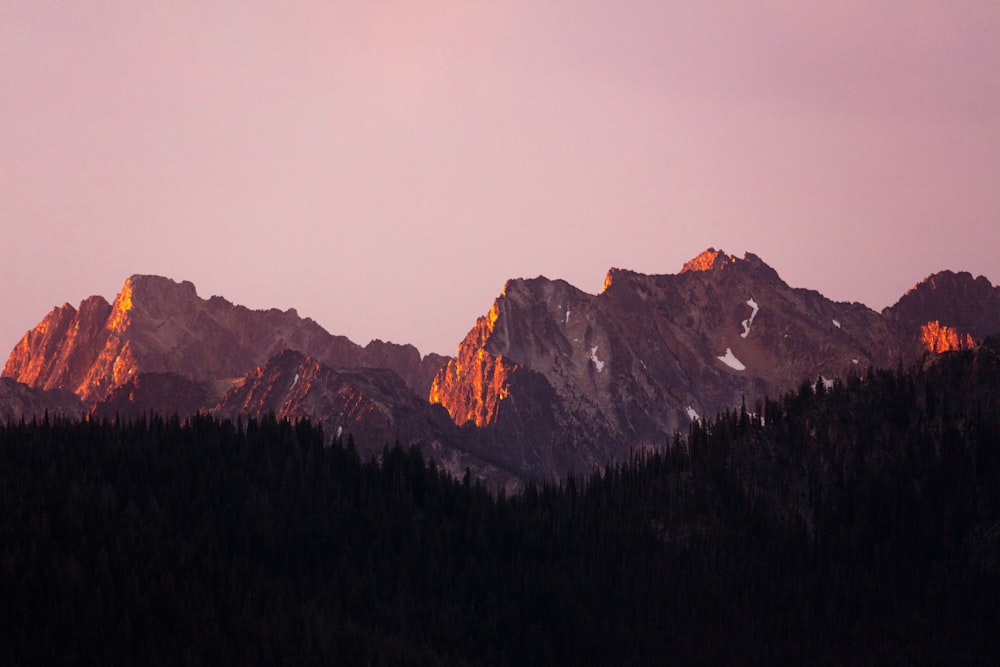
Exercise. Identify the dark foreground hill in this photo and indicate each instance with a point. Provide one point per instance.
(851, 522)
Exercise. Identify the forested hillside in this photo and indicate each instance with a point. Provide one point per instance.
(853, 522)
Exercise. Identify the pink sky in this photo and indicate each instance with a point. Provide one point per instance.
(384, 167)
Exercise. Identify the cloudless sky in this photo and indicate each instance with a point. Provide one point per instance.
(383, 167)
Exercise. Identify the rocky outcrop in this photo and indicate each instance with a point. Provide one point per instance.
(937, 338)
(156, 325)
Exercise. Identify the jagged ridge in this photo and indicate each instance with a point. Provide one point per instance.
(161, 326)
(551, 380)
(563, 380)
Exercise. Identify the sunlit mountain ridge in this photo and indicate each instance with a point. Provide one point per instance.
(551, 380)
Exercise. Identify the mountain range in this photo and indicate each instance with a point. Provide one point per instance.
(550, 381)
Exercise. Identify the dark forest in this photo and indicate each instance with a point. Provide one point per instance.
(857, 523)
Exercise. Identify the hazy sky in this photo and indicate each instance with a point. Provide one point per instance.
(384, 167)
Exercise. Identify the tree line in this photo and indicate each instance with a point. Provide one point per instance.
(858, 523)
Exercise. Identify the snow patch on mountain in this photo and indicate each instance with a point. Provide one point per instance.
(597, 362)
(692, 413)
(748, 322)
(836, 324)
(730, 360)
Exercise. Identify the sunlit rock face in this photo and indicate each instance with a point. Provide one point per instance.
(156, 325)
(60, 351)
(938, 338)
(947, 311)
(561, 381)
(472, 385)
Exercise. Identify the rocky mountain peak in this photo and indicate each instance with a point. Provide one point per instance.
(945, 285)
(151, 296)
(152, 290)
(617, 276)
(717, 262)
(709, 260)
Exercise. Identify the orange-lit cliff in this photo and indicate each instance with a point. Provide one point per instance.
(938, 338)
(472, 385)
